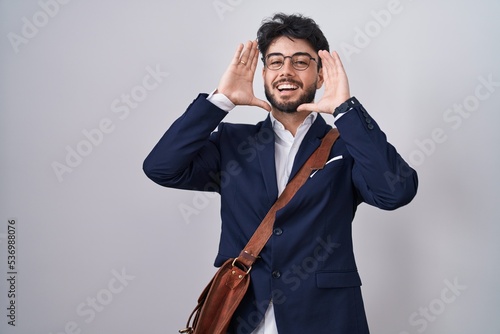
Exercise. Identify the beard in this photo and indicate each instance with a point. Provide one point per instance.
(290, 106)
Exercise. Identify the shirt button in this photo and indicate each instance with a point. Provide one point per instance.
(278, 231)
(276, 274)
(370, 126)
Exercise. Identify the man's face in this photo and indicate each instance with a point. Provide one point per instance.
(287, 88)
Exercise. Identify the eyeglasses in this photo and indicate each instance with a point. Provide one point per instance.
(300, 61)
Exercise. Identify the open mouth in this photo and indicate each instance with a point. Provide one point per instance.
(286, 87)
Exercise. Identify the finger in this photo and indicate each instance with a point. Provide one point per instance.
(343, 92)
(262, 104)
(333, 71)
(245, 55)
(308, 107)
(337, 61)
(338, 68)
(237, 54)
(328, 64)
(326, 57)
(251, 50)
(255, 59)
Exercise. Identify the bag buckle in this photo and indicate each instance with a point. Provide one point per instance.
(241, 266)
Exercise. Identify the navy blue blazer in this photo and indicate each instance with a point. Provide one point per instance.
(307, 268)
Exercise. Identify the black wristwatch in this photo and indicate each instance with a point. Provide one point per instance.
(346, 106)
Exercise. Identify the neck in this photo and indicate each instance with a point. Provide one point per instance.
(291, 121)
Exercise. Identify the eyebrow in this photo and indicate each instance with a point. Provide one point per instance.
(295, 54)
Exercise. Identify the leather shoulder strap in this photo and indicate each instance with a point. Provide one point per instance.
(260, 237)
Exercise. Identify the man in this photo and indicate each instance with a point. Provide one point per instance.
(306, 280)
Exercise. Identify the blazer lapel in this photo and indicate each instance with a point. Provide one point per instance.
(267, 160)
(311, 142)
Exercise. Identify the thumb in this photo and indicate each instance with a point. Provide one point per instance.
(307, 107)
(262, 104)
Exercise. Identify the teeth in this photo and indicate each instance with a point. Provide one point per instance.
(286, 86)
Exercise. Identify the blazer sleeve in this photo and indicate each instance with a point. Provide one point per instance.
(187, 156)
(380, 175)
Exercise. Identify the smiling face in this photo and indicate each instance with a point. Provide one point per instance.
(287, 88)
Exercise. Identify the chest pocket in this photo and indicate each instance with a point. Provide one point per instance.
(335, 161)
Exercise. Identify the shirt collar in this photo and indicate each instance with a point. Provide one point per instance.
(307, 121)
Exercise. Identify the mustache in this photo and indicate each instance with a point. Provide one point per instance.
(291, 81)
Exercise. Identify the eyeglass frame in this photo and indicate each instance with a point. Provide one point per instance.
(264, 60)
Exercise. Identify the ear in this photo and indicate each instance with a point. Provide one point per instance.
(321, 79)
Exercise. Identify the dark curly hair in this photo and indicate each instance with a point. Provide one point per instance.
(294, 26)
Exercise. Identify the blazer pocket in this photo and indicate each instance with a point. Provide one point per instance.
(338, 157)
(336, 279)
(335, 161)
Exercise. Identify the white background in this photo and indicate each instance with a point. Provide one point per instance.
(78, 230)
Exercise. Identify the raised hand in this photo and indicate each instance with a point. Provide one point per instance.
(336, 85)
(237, 82)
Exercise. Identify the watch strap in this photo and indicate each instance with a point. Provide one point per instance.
(346, 106)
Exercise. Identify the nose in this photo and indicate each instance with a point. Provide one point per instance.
(287, 68)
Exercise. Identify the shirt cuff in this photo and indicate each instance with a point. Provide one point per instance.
(221, 101)
(342, 114)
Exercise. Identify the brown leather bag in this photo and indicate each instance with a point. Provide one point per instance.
(219, 300)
